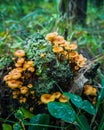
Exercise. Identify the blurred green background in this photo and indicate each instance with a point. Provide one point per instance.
(19, 19)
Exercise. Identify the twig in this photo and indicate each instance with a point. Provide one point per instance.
(22, 125)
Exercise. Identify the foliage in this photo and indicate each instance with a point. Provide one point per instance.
(24, 25)
(48, 67)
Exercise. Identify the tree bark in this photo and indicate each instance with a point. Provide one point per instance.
(81, 11)
(74, 9)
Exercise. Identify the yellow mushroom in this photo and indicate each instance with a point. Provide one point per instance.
(16, 75)
(71, 47)
(51, 36)
(26, 66)
(81, 63)
(23, 90)
(16, 92)
(56, 95)
(22, 99)
(15, 96)
(32, 69)
(7, 77)
(19, 53)
(89, 90)
(59, 40)
(20, 60)
(31, 109)
(63, 99)
(76, 67)
(73, 54)
(65, 54)
(16, 70)
(18, 65)
(57, 49)
(46, 98)
(31, 63)
(42, 55)
(29, 85)
(80, 58)
(32, 92)
(14, 84)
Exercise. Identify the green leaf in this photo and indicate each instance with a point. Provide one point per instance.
(62, 111)
(37, 122)
(88, 107)
(6, 127)
(16, 126)
(19, 114)
(84, 121)
(101, 94)
(76, 100)
(85, 105)
(26, 113)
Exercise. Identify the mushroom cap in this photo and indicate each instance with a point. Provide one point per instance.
(30, 63)
(23, 90)
(63, 99)
(59, 40)
(57, 49)
(20, 60)
(7, 77)
(32, 69)
(42, 55)
(15, 96)
(29, 85)
(56, 95)
(79, 58)
(16, 75)
(73, 54)
(51, 36)
(89, 90)
(22, 99)
(46, 98)
(18, 65)
(65, 54)
(26, 66)
(76, 67)
(81, 63)
(14, 84)
(16, 92)
(19, 53)
(16, 70)
(71, 47)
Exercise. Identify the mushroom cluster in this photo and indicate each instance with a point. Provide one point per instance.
(46, 98)
(66, 50)
(16, 78)
(90, 91)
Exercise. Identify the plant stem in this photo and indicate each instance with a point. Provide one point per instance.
(59, 87)
(43, 125)
(9, 121)
(22, 125)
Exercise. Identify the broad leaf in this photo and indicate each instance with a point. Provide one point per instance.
(26, 113)
(88, 107)
(76, 100)
(16, 126)
(6, 127)
(37, 122)
(62, 111)
(19, 114)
